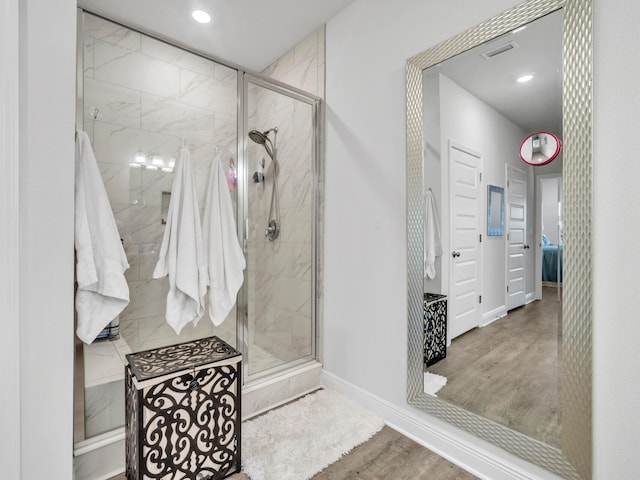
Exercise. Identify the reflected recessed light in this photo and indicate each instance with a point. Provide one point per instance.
(519, 29)
(525, 78)
(201, 16)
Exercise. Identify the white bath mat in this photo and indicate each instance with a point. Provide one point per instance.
(298, 440)
(433, 383)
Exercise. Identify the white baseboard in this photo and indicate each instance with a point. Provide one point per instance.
(530, 297)
(476, 456)
(493, 315)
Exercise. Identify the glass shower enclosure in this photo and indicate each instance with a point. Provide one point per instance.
(139, 99)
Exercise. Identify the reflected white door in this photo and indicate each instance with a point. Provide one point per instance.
(464, 296)
(517, 246)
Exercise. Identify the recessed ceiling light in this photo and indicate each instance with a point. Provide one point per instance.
(525, 78)
(201, 16)
(519, 29)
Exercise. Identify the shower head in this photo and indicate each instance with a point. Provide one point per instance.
(259, 137)
(262, 137)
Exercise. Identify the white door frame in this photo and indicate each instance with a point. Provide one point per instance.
(481, 222)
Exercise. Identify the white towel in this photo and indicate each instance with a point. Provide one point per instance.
(181, 253)
(432, 239)
(224, 255)
(100, 259)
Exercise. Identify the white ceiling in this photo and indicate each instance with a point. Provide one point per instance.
(535, 105)
(250, 33)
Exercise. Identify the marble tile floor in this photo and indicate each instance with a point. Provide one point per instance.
(104, 361)
(261, 360)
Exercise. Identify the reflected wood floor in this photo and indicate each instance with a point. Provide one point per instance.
(509, 371)
(387, 455)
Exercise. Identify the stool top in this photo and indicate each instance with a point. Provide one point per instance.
(432, 297)
(182, 356)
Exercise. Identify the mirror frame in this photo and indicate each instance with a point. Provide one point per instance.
(574, 459)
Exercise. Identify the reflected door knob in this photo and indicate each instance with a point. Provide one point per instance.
(455, 254)
(526, 247)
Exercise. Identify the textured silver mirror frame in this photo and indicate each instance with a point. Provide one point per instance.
(574, 460)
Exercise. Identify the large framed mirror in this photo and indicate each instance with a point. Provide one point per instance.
(567, 450)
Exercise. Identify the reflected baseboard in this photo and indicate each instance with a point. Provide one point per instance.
(477, 456)
(493, 315)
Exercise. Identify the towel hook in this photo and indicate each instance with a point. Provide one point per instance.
(95, 113)
(183, 142)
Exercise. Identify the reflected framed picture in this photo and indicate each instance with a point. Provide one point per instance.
(495, 211)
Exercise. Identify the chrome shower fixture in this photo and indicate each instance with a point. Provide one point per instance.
(262, 138)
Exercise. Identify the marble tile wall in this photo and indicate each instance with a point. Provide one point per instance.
(303, 66)
(141, 96)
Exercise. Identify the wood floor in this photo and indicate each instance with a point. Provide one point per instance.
(387, 455)
(509, 371)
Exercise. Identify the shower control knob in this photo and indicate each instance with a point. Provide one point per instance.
(273, 230)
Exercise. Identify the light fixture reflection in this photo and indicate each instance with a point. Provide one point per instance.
(201, 16)
(525, 78)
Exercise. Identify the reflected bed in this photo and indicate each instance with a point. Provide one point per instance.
(551, 263)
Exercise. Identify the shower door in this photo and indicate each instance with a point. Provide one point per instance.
(279, 293)
(142, 98)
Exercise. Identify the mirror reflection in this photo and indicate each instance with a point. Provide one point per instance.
(492, 325)
(540, 148)
(495, 211)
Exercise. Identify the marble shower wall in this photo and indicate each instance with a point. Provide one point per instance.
(141, 96)
(280, 272)
(303, 66)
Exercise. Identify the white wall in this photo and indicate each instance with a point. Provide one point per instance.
(9, 238)
(365, 276)
(47, 125)
(616, 229)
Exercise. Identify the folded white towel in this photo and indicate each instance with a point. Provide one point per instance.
(432, 239)
(224, 255)
(181, 254)
(100, 259)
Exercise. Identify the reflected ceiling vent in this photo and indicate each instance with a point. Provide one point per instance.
(507, 47)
